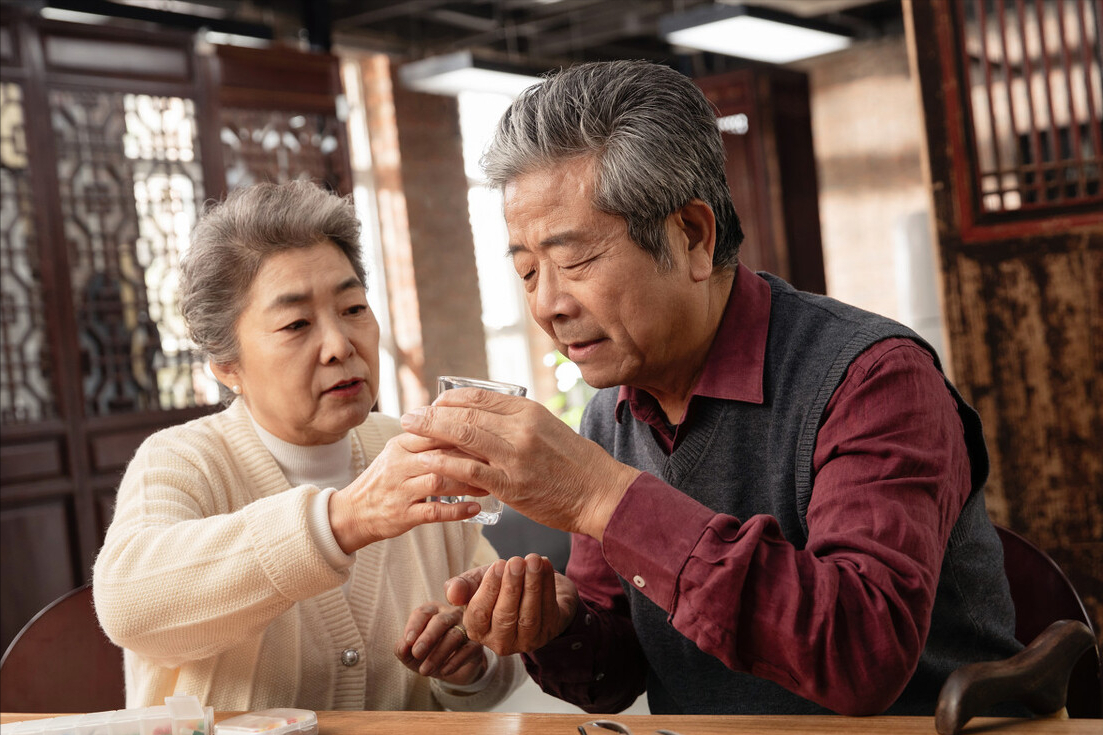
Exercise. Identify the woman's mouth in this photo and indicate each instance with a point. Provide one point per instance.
(345, 388)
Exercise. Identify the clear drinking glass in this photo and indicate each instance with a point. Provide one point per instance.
(491, 507)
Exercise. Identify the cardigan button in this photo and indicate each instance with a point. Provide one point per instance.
(639, 581)
(350, 657)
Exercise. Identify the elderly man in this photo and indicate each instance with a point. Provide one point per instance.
(776, 498)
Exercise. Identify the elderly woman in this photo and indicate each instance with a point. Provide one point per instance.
(271, 554)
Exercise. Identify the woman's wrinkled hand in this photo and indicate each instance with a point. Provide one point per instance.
(435, 644)
(391, 496)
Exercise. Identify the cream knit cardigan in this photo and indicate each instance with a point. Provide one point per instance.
(210, 578)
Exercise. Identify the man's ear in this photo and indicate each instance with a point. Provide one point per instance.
(698, 226)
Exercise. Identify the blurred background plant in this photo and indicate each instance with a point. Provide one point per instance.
(573, 393)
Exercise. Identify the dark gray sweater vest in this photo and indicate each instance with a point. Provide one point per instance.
(745, 459)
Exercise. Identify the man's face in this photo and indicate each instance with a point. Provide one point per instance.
(606, 303)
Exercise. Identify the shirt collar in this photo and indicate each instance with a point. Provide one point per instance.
(735, 363)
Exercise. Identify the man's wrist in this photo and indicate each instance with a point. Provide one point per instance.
(606, 502)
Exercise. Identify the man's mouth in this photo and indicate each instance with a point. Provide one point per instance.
(580, 350)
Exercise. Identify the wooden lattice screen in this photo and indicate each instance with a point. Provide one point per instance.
(1031, 95)
(111, 140)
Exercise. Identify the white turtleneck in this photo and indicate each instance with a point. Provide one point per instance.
(325, 466)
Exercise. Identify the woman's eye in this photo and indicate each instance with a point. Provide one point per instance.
(297, 325)
(358, 309)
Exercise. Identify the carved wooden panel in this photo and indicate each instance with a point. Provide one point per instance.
(130, 185)
(280, 117)
(26, 393)
(98, 200)
(276, 145)
(38, 561)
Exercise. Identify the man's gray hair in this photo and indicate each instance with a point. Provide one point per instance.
(232, 240)
(651, 133)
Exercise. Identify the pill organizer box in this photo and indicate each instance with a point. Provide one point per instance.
(280, 721)
(177, 716)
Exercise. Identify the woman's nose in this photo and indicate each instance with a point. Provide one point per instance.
(336, 344)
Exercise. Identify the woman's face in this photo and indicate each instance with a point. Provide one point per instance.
(308, 365)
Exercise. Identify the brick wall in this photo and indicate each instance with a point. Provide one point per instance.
(867, 132)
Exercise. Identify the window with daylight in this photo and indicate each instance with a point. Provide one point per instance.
(1033, 106)
(507, 345)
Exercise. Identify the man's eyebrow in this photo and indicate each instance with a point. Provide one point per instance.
(293, 298)
(563, 238)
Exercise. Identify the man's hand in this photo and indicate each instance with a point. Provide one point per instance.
(514, 606)
(516, 450)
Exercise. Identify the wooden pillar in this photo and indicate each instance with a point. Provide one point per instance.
(429, 251)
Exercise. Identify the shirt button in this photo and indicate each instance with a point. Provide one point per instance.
(639, 581)
(576, 645)
(600, 676)
(350, 657)
(589, 618)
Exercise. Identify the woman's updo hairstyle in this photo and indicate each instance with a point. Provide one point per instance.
(232, 240)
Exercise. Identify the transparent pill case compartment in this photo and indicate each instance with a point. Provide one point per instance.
(271, 722)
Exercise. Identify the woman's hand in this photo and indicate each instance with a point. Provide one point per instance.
(389, 497)
(435, 644)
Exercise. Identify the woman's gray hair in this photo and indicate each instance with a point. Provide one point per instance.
(651, 133)
(232, 240)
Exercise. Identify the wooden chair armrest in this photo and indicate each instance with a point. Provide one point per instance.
(1037, 676)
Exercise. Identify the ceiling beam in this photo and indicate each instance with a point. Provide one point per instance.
(388, 10)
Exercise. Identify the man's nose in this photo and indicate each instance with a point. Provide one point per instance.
(551, 298)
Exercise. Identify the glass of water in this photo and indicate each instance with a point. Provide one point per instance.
(491, 507)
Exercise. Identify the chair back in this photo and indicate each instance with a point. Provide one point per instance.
(62, 662)
(1043, 594)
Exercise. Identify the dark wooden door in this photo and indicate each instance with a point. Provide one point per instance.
(111, 141)
(765, 120)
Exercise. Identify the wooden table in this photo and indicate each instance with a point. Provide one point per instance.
(499, 723)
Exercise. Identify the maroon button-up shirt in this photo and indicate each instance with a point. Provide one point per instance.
(848, 613)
